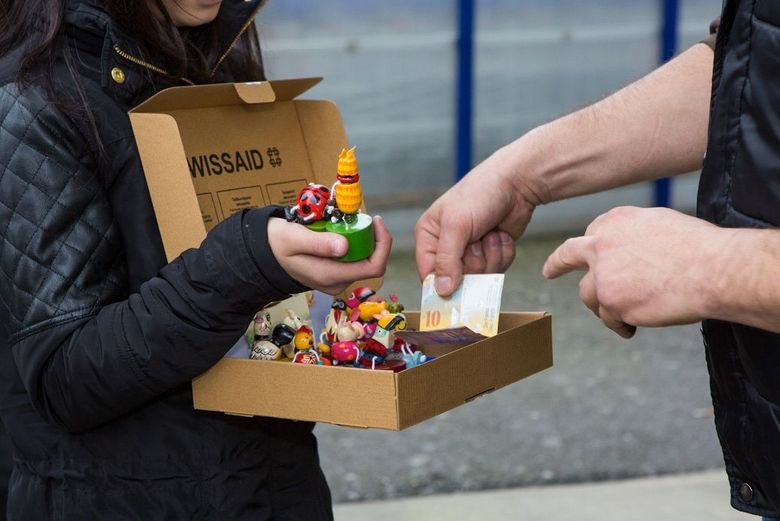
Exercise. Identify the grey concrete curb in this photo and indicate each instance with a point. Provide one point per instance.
(701, 496)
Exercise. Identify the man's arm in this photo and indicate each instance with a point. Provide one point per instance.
(652, 128)
(745, 279)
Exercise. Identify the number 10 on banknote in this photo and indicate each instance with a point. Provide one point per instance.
(476, 304)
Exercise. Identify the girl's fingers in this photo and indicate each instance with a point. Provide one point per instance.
(295, 239)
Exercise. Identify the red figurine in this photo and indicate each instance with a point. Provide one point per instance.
(374, 353)
(310, 205)
(345, 352)
(358, 296)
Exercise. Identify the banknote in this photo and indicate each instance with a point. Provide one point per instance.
(476, 304)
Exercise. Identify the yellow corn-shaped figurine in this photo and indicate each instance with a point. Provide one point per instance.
(348, 195)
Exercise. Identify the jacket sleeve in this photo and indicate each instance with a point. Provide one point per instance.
(85, 350)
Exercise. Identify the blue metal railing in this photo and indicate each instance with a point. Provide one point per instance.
(464, 128)
(669, 25)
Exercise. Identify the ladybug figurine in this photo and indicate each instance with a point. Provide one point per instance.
(310, 205)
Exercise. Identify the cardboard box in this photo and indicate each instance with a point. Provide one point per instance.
(381, 399)
(209, 151)
(212, 150)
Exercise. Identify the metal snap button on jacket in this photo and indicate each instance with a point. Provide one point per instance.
(118, 75)
(746, 493)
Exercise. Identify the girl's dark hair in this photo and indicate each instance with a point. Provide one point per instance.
(35, 28)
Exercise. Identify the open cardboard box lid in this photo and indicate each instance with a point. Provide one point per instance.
(212, 150)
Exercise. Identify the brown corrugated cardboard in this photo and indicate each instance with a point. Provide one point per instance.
(381, 399)
(209, 151)
(212, 150)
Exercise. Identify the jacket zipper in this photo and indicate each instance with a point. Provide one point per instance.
(246, 25)
(145, 64)
(222, 58)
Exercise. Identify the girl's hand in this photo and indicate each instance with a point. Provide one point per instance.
(310, 257)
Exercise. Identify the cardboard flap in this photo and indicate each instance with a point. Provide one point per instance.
(259, 92)
(179, 98)
(221, 94)
(275, 90)
(286, 90)
(179, 217)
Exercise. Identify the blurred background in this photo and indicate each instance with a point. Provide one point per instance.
(424, 84)
(393, 69)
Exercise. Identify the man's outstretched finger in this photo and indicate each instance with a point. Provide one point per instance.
(573, 254)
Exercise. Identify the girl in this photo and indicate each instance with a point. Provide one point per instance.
(100, 338)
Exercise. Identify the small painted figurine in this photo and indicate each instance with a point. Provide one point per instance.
(394, 306)
(367, 310)
(310, 206)
(414, 358)
(304, 347)
(411, 355)
(262, 326)
(346, 190)
(294, 322)
(346, 218)
(350, 331)
(373, 353)
(336, 318)
(359, 295)
(338, 210)
(324, 351)
(273, 348)
(345, 352)
(304, 339)
(387, 324)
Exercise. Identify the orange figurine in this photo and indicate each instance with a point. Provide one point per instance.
(347, 220)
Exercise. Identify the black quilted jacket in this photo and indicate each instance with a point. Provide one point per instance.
(100, 338)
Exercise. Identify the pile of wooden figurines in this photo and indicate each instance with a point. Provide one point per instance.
(359, 332)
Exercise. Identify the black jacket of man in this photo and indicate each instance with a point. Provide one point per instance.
(740, 188)
(101, 337)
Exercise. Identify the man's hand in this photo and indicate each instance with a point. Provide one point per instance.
(653, 128)
(472, 227)
(644, 267)
(310, 257)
